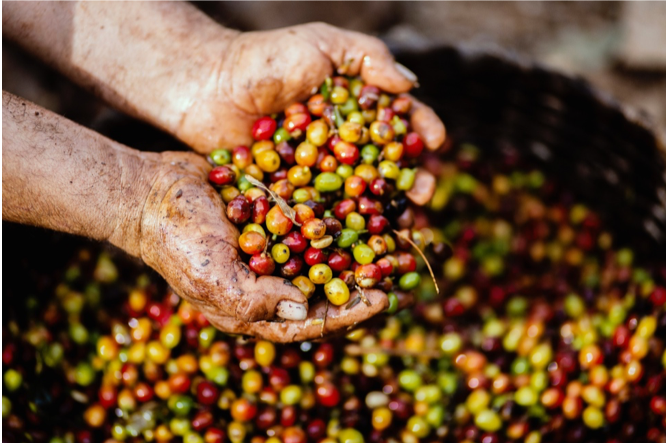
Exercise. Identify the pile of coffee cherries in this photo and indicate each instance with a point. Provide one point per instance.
(317, 194)
(544, 331)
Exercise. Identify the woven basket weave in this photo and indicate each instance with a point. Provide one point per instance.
(607, 154)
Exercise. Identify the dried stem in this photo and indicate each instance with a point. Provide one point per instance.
(408, 240)
(323, 324)
(363, 297)
(287, 210)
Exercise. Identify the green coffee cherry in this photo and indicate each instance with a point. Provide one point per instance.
(328, 182)
(409, 281)
(221, 156)
(405, 179)
(347, 238)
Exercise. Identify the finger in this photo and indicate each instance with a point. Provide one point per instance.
(378, 66)
(325, 320)
(339, 319)
(188, 162)
(267, 297)
(354, 53)
(423, 188)
(405, 299)
(426, 123)
(319, 322)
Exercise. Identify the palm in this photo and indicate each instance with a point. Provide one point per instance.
(264, 72)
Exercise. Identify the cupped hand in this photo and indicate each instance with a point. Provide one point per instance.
(263, 72)
(187, 238)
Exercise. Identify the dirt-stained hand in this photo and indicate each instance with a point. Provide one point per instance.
(187, 238)
(263, 72)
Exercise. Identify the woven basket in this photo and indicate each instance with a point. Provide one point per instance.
(608, 155)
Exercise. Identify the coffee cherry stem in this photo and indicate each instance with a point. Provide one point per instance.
(287, 210)
(425, 259)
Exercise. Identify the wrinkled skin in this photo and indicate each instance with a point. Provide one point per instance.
(264, 72)
(170, 65)
(187, 238)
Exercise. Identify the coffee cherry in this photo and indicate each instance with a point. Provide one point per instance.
(393, 151)
(339, 260)
(268, 161)
(406, 262)
(368, 206)
(262, 264)
(296, 242)
(377, 224)
(328, 164)
(344, 208)
(346, 153)
(337, 291)
(313, 229)
(276, 222)
(320, 274)
(313, 256)
(305, 285)
(385, 266)
(363, 254)
(238, 210)
(260, 208)
(328, 182)
(350, 132)
(355, 221)
(263, 128)
(306, 154)
(413, 145)
(286, 153)
(292, 267)
(381, 133)
(297, 123)
(367, 275)
(378, 245)
(241, 157)
(316, 105)
(207, 393)
(222, 175)
(354, 186)
(251, 242)
(368, 97)
(333, 226)
(379, 187)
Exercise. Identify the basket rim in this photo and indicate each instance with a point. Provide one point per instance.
(632, 114)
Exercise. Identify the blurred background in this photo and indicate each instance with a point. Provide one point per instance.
(620, 47)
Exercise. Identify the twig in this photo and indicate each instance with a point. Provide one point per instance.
(323, 324)
(363, 297)
(352, 303)
(287, 210)
(408, 240)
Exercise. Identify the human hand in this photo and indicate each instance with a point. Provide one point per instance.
(169, 64)
(263, 72)
(187, 238)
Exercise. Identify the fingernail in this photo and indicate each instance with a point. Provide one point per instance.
(290, 310)
(409, 75)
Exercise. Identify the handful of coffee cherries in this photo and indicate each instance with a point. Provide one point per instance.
(318, 195)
